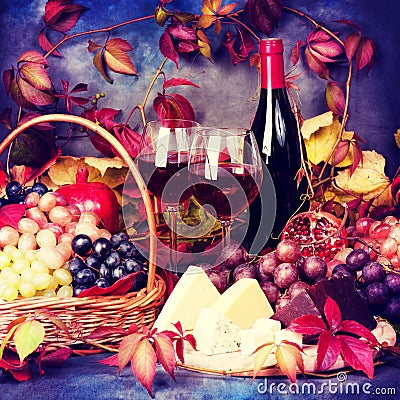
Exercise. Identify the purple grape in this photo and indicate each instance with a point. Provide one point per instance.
(267, 263)
(218, 279)
(343, 270)
(392, 310)
(362, 295)
(392, 281)
(245, 271)
(232, 255)
(285, 274)
(373, 271)
(312, 268)
(270, 290)
(296, 288)
(377, 293)
(356, 259)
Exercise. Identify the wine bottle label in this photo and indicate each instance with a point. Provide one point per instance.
(212, 156)
(162, 148)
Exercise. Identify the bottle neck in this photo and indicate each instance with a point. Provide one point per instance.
(272, 71)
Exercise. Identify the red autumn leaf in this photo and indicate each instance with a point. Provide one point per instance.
(295, 54)
(128, 138)
(8, 77)
(332, 313)
(36, 76)
(127, 348)
(143, 364)
(116, 58)
(335, 98)
(395, 186)
(54, 358)
(68, 95)
(323, 46)
(239, 46)
(182, 32)
(111, 361)
(62, 15)
(5, 117)
(357, 156)
(263, 15)
(316, 65)
(178, 327)
(10, 362)
(92, 46)
(11, 214)
(104, 332)
(33, 95)
(353, 204)
(191, 339)
(341, 151)
(173, 106)
(19, 98)
(356, 328)
(165, 353)
(328, 205)
(186, 46)
(308, 325)
(118, 288)
(351, 43)
(357, 354)
(178, 82)
(33, 57)
(365, 53)
(46, 45)
(348, 23)
(99, 65)
(328, 350)
(364, 208)
(55, 320)
(167, 47)
(180, 349)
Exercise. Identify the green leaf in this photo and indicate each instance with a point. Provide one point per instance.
(6, 339)
(28, 336)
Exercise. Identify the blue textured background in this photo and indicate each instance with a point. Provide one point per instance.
(227, 93)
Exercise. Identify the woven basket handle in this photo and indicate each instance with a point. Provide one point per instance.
(124, 155)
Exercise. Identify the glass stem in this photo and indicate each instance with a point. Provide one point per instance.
(173, 242)
(226, 231)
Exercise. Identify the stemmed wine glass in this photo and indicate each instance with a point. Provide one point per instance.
(162, 160)
(225, 172)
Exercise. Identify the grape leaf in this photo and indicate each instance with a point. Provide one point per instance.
(365, 53)
(27, 337)
(165, 353)
(46, 45)
(11, 214)
(127, 349)
(116, 58)
(62, 15)
(173, 106)
(33, 95)
(335, 98)
(33, 57)
(143, 364)
(263, 15)
(262, 354)
(307, 325)
(104, 331)
(332, 313)
(357, 354)
(36, 75)
(167, 47)
(53, 358)
(10, 362)
(351, 44)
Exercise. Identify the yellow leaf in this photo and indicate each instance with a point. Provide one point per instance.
(206, 21)
(289, 359)
(63, 172)
(397, 137)
(262, 355)
(28, 336)
(207, 8)
(322, 141)
(103, 164)
(368, 179)
(311, 125)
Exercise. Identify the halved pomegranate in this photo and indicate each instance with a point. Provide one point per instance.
(317, 233)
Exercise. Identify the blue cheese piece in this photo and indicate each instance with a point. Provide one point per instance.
(215, 333)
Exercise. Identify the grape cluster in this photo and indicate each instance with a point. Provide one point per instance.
(377, 284)
(16, 193)
(105, 260)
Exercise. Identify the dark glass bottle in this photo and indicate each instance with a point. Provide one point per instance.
(275, 129)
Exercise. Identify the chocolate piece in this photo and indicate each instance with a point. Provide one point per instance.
(343, 291)
(300, 305)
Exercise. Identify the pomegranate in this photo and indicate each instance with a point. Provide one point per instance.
(95, 197)
(317, 234)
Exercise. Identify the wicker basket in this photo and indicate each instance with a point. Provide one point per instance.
(83, 315)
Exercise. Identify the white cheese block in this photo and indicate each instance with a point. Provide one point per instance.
(193, 292)
(290, 336)
(215, 334)
(262, 332)
(244, 303)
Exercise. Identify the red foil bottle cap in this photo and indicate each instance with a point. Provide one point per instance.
(272, 68)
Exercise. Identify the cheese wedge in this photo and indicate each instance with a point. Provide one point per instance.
(215, 334)
(262, 332)
(290, 336)
(193, 292)
(243, 303)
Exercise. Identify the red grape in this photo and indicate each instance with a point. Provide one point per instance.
(312, 268)
(218, 279)
(288, 251)
(357, 259)
(267, 263)
(232, 255)
(296, 288)
(245, 271)
(373, 271)
(285, 274)
(363, 225)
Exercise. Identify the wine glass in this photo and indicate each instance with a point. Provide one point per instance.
(162, 160)
(225, 172)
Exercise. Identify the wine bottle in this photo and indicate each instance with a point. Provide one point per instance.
(281, 149)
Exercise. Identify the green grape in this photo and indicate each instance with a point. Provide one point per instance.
(5, 260)
(65, 291)
(63, 276)
(41, 280)
(17, 254)
(53, 283)
(27, 289)
(13, 278)
(9, 293)
(20, 265)
(39, 266)
(27, 274)
(31, 255)
(48, 293)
